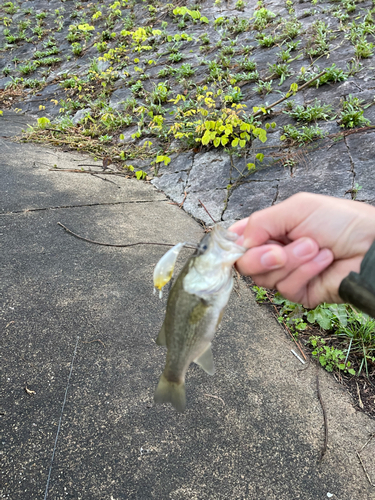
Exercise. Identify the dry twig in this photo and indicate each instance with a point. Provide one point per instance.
(324, 448)
(91, 341)
(214, 221)
(119, 245)
(216, 397)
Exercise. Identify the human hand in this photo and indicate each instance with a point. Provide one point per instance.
(306, 245)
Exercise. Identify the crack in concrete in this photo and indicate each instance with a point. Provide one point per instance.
(352, 168)
(44, 209)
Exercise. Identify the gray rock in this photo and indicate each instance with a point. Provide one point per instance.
(210, 170)
(172, 184)
(362, 151)
(127, 133)
(248, 198)
(119, 96)
(81, 113)
(322, 171)
(4, 82)
(103, 65)
(213, 200)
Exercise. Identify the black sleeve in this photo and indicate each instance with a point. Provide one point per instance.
(359, 289)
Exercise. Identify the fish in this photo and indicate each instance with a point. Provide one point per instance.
(194, 311)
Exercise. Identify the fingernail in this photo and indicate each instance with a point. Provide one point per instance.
(270, 260)
(247, 243)
(323, 255)
(305, 248)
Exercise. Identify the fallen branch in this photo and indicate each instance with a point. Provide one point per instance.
(117, 245)
(210, 216)
(324, 448)
(90, 172)
(290, 94)
(360, 459)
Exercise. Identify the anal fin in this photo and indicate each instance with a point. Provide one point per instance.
(206, 361)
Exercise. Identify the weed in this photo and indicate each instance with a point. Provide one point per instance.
(280, 70)
(233, 94)
(184, 71)
(352, 113)
(261, 293)
(252, 76)
(359, 332)
(10, 8)
(331, 358)
(293, 45)
(175, 57)
(49, 61)
(266, 40)
(292, 29)
(28, 68)
(263, 87)
(262, 17)
(137, 89)
(33, 83)
(167, 71)
(41, 15)
(363, 49)
(247, 64)
(237, 26)
(319, 44)
(302, 135)
(46, 53)
(77, 48)
(332, 74)
(311, 113)
(159, 94)
(240, 5)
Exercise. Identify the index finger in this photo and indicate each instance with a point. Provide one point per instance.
(276, 222)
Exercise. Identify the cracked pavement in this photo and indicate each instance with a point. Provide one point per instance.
(78, 323)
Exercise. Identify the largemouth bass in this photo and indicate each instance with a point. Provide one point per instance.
(195, 308)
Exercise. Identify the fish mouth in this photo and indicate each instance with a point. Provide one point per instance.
(225, 239)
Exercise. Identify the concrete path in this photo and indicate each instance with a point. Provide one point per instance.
(78, 323)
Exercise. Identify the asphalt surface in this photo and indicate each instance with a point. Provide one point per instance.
(77, 325)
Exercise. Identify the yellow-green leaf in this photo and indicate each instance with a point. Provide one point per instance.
(235, 142)
(217, 142)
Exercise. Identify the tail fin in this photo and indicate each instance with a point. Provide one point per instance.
(171, 392)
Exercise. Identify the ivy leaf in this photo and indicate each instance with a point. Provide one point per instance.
(224, 140)
(43, 122)
(206, 138)
(259, 157)
(235, 142)
(217, 142)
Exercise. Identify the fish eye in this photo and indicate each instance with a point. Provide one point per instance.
(204, 247)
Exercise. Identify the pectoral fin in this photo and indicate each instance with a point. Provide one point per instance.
(161, 340)
(206, 361)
